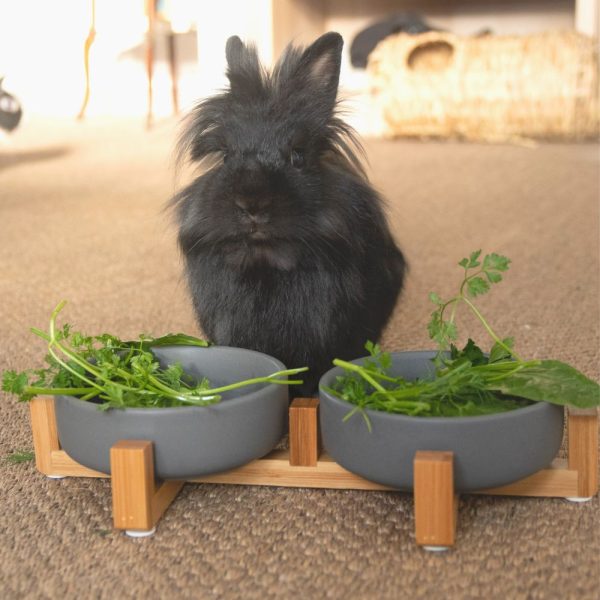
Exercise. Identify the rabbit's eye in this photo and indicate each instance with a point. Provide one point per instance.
(297, 158)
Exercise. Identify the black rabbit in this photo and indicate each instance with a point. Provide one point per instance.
(286, 245)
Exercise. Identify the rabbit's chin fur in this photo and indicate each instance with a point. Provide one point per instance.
(286, 245)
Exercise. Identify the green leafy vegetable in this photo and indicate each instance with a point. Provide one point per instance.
(20, 456)
(466, 382)
(550, 381)
(119, 374)
(460, 389)
(103, 532)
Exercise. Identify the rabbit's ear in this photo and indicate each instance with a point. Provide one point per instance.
(234, 50)
(320, 65)
(243, 68)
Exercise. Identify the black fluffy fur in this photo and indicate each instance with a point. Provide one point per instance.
(286, 245)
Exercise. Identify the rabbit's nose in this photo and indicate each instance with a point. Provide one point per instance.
(244, 206)
(252, 210)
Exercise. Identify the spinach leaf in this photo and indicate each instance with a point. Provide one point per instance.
(550, 381)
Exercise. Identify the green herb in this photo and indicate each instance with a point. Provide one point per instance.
(119, 374)
(20, 456)
(103, 532)
(477, 279)
(465, 382)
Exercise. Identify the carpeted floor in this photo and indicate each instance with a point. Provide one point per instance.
(81, 218)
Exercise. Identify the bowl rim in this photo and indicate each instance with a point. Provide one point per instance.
(230, 402)
(537, 406)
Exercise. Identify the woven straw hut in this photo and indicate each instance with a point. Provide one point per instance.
(489, 88)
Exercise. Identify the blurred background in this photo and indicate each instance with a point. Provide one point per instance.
(152, 59)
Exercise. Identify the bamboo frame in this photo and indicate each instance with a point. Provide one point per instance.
(139, 502)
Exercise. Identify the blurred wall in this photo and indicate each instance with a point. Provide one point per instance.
(41, 55)
(41, 42)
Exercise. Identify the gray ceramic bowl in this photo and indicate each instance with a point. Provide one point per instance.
(188, 441)
(489, 451)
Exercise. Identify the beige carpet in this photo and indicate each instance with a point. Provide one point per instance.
(81, 219)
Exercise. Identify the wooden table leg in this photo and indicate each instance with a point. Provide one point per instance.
(435, 501)
(138, 502)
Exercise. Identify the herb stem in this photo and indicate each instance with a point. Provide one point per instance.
(70, 353)
(41, 391)
(272, 378)
(446, 304)
(363, 373)
(454, 306)
(466, 279)
(68, 367)
(495, 337)
(40, 333)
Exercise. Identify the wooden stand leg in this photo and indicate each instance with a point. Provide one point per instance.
(45, 434)
(583, 451)
(138, 503)
(435, 501)
(304, 432)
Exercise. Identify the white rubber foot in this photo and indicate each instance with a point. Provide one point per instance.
(578, 499)
(436, 548)
(136, 533)
(55, 476)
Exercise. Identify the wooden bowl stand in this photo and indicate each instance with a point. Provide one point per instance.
(139, 500)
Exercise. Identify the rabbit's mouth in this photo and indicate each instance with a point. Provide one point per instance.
(260, 249)
(258, 235)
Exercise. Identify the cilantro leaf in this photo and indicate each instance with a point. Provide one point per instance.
(493, 277)
(435, 298)
(495, 262)
(477, 286)
(13, 382)
(472, 261)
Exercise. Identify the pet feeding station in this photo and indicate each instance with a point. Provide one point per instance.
(139, 500)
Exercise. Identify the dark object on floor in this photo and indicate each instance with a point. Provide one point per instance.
(368, 38)
(10, 110)
(286, 244)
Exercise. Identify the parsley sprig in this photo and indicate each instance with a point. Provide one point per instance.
(120, 374)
